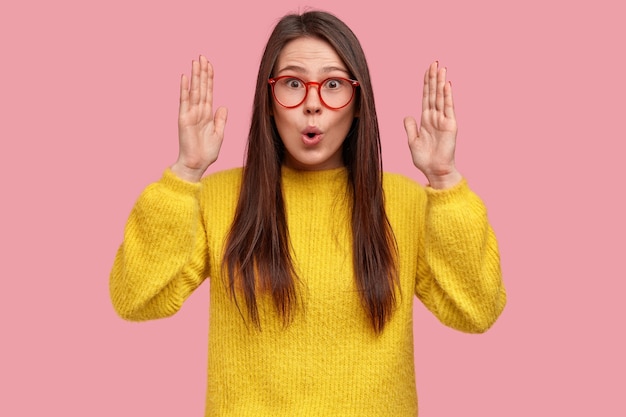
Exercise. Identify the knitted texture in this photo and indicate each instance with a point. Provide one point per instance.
(328, 361)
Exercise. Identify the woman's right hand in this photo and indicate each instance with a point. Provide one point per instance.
(200, 133)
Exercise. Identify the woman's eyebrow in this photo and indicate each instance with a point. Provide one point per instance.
(301, 70)
(294, 68)
(333, 68)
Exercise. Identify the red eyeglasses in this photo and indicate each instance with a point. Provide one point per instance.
(334, 93)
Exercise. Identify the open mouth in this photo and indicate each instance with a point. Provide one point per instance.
(311, 131)
(311, 136)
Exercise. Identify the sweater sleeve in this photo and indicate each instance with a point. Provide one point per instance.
(163, 256)
(459, 276)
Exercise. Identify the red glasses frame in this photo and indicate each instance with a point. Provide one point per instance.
(353, 83)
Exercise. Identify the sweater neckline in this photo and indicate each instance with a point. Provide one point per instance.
(322, 179)
(322, 174)
(312, 173)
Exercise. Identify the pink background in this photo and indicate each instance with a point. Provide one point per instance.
(88, 95)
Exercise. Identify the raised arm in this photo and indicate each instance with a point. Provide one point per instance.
(163, 257)
(459, 277)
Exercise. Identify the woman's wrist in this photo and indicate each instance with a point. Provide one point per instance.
(442, 182)
(185, 173)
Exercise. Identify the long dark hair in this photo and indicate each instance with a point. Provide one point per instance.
(257, 255)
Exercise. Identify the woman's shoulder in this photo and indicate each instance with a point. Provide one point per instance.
(223, 178)
(402, 193)
(395, 182)
(222, 184)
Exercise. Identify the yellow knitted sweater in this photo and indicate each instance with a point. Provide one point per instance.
(328, 361)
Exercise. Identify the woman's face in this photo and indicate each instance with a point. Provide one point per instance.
(312, 133)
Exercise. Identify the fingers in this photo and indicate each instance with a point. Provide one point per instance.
(426, 92)
(204, 78)
(194, 89)
(437, 93)
(448, 103)
(441, 81)
(208, 87)
(184, 93)
(431, 81)
(198, 92)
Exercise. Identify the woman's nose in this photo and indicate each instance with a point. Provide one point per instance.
(312, 103)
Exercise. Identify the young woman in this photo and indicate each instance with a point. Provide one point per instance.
(314, 254)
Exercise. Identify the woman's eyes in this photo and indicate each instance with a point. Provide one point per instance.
(333, 83)
(294, 83)
(329, 84)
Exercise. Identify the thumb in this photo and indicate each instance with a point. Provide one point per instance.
(410, 126)
(221, 115)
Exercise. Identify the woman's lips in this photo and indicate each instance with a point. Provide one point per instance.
(311, 140)
(311, 136)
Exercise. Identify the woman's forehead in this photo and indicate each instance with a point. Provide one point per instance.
(309, 56)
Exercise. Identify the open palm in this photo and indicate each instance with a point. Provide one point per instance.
(200, 133)
(432, 144)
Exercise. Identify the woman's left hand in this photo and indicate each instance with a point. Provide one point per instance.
(432, 144)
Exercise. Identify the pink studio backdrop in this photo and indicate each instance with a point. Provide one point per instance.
(89, 96)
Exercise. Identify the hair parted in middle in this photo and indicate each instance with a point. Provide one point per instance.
(257, 255)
